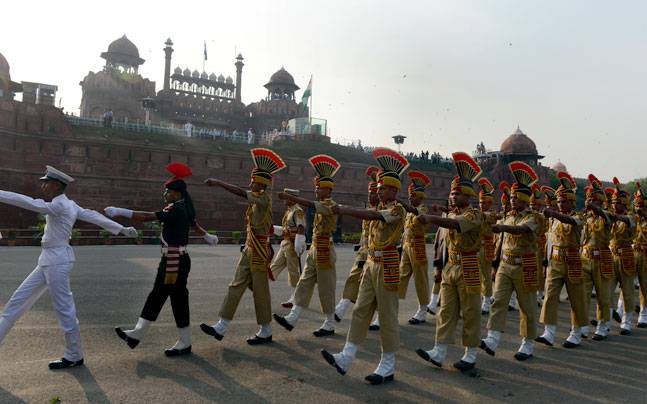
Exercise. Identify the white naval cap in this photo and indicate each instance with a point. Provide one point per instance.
(52, 173)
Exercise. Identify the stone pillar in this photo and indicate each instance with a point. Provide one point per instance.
(239, 76)
(168, 50)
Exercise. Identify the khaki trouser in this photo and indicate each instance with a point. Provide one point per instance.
(258, 282)
(325, 279)
(592, 276)
(556, 277)
(372, 296)
(351, 287)
(420, 272)
(286, 258)
(486, 274)
(509, 278)
(454, 301)
(626, 284)
(641, 268)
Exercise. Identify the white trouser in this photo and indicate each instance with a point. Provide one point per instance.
(57, 279)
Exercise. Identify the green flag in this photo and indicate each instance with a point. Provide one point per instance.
(307, 93)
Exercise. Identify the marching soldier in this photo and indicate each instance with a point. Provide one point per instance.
(564, 266)
(461, 280)
(253, 266)
(321, 258)
(597, 262)
(486, 199)
(414, 248)
(55, 261)
(379, 284)
(640, 250)
(293, 230)
(504, 187)
(518, 267)
(550, 202)
(351, 287)
(622, 238)
(173, 271)
(537, 205)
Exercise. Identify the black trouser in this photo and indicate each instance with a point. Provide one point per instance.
(178, 292)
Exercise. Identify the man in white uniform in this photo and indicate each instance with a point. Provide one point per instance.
(55, 261)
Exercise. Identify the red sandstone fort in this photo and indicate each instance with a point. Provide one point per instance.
(198, 119)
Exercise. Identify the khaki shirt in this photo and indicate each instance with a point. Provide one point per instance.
(413, 226)
(366, 227)
(259, 217)
(468, 237)
(387, 232)
(622, 234)
(564, 235)
(596, 232)
(641, 232)
(293, 218)
(521, 244)
(325, 222)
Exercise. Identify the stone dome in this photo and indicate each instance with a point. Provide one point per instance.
(213, 77)
(282, 77)
(559, 166)
(177, 70)
(204, 75)
(518, 144)
(4, 68)
(123, 52)
(195, 74)
(229, 80)
(187, 72)
(221, 78)
(124, 46)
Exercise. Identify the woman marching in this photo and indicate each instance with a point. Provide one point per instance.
(177, 218)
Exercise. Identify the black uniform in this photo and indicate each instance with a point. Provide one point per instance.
(175, 233)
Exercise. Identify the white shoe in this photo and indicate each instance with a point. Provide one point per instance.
(491, 342)
(386, 367)
(436, 355)
(342, 360)
(470, 355)
(420, 316)
(525, 350)
(293, 315)
(185, 339)
(140, 329)
(432, 307)
(221, 326)
(574, 338)
(548, 337)
(585, 331)
(625, 325)
(265, 331)
(341, 308)
(329, 323)
(485, 304)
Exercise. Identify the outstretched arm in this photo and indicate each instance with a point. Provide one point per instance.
(138, 216)
(408, 207)
(364, 214)
(445, 222)
(503, 228)
(26, 202)
(236, 190)
(621, 218)
(303, 202)
(561, 217)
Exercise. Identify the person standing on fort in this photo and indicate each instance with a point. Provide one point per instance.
(351, 286)
(460, 292)
(55, 261)
(253, 267)
(293, 230)
(321, 257)
(378, 291)
(177, 218)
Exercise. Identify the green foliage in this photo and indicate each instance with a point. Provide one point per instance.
(11, 234)
(429, 238)
(235, 236)
(55, 400)
(76, 233)
(351, 237)
(105, 234)
(40, 226)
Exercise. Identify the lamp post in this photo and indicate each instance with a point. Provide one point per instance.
(148, 104)
(399, 140)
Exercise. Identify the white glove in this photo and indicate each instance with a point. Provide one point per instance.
(278, 230)
(211, 239)
(129, 232)
(300, 244)
(111, 211)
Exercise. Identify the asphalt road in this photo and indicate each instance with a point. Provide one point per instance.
(110, 284)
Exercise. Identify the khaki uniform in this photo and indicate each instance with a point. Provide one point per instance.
(351, 287)
(287, 256)
(414, 257)
(517, 272)
(461, 285)
(624, 263)
(379, 285)
(487, 252)
(440, 255)
(640, 250)
(597, 263)
(254, 261)
(320, 261)
(564, 267)
(544, 224)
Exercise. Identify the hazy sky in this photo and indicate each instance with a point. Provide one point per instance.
(446, 74)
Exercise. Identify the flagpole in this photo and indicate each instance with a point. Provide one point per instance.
(310, 108)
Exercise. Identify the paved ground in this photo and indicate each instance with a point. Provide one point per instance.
(110, 284)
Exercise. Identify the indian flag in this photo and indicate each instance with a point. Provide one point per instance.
(307, 93)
